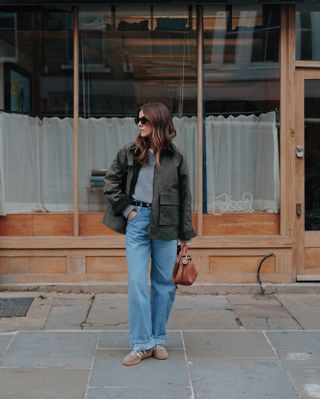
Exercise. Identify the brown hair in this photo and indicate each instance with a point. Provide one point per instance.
(163, 131)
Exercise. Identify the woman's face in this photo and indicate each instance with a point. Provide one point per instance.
(145, 126)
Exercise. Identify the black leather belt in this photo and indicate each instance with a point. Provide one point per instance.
(140, 203)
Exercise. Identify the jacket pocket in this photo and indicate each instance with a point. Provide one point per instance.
(169, 208)
(116, 223)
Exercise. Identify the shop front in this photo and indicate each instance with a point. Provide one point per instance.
(242, 82)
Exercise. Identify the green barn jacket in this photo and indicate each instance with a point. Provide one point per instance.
(171, 216)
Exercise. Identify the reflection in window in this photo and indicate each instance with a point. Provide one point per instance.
(242, 98)
(130, 55)
(37, 153)
(308, 32)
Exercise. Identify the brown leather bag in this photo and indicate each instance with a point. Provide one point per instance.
(184, 272)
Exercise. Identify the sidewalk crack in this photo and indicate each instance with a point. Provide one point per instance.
(92, 299)
(192, 396)
(293, 317)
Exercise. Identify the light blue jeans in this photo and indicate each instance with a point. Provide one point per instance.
(148, 313)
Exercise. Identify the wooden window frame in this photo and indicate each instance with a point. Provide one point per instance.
(287, 47)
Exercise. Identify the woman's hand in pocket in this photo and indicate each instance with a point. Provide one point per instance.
(132, 214)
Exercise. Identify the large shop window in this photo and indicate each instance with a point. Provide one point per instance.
(36, 150)
(242, 103)
(308, 32)
(130, 55)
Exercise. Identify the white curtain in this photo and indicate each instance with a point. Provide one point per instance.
(99, 141)
(186, 140)
(36, 159)
(242, 161)
(242, 158)
(35, 164)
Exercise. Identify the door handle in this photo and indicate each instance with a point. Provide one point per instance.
(299, 151)
(298, 210)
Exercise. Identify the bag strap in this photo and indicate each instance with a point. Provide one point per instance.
(183, 251)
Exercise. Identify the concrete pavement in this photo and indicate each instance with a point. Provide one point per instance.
(69, 346)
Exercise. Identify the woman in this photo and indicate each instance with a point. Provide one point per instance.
(148, 199)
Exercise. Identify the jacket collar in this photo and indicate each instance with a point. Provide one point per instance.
(170, 148)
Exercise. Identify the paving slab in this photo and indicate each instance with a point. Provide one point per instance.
(202, 319)
(307, 380)
(39, 309)
(139, 393)
(19, 323)
(240, 379)
(304, 307)
(201, 302)
(51, 349)
(294, 340)
(227, 344)
(35, 318)
(269, 323)
(43, 383)
(256, 310)
(251, 299)
(68, 314)
(108, 371)
(42, 295)
(108, 311)
(19, 294)
(111, 299)
(4, 341)
(300, 359)
(120, 339)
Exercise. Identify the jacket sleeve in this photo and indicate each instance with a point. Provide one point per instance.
(186, 231)
(115, 184)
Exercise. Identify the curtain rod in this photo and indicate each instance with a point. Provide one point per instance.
(133, 115)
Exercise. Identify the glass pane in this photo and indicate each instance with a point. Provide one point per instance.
(312, 154)
(36, 159)
(242, 102)
(308, 32)
(131, 55)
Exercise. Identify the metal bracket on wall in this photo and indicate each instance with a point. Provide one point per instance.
(258, 272)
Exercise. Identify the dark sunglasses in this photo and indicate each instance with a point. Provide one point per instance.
(143, 121)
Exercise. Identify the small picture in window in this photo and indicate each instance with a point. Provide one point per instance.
(17, 86)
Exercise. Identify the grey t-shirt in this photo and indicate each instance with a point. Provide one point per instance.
(143, 190)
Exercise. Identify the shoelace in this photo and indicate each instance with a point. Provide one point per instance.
(158, 346)
(138, 353)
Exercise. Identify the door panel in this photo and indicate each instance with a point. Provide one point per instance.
(312, 154)
(308, 175)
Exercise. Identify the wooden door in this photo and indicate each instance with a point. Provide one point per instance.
(307, 243)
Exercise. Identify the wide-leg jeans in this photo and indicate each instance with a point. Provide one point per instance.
(148, 313)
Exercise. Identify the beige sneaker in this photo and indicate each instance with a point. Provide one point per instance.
(160, 352)
(135, 357)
